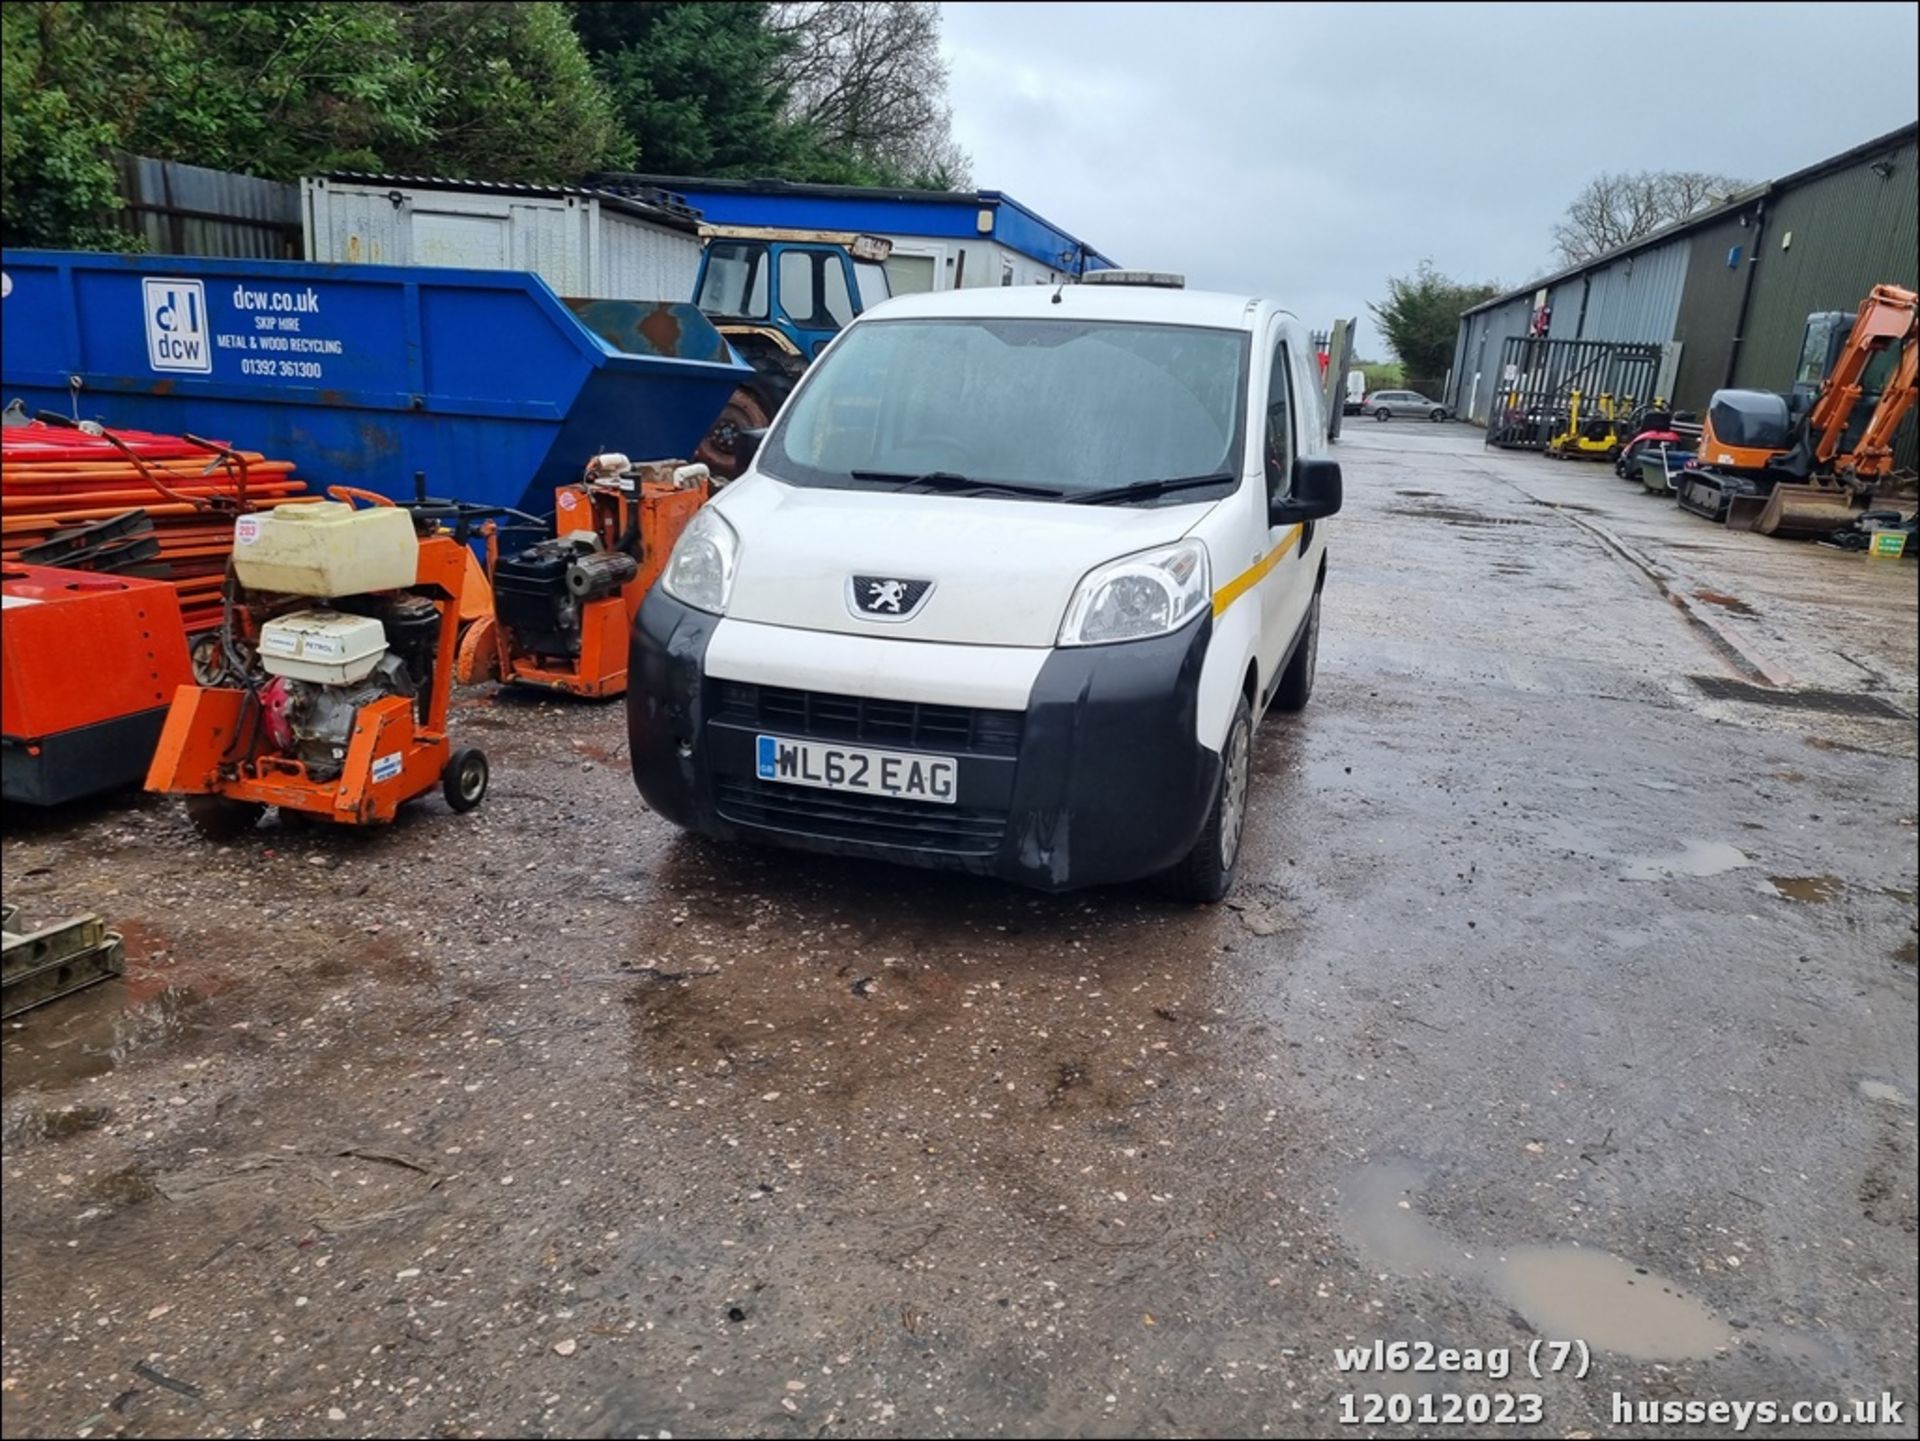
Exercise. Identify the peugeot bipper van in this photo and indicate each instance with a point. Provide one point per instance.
(1006, 588)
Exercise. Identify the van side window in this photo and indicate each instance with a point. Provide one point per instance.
(1279, 455)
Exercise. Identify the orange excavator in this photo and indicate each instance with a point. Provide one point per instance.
(1805, 463)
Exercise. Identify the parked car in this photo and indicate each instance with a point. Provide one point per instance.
(1386, 404)
(1356, 394)
(1005, 588)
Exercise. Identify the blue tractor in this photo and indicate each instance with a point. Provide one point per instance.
(779, 297)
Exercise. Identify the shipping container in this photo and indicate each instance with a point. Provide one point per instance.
(582, 242)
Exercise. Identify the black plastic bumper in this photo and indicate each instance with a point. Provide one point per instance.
(1108, 781)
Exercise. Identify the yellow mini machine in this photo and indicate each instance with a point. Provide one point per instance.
(1596, 435)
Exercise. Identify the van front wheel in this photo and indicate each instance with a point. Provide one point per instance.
(1206, 874)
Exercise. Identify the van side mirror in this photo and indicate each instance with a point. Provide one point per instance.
(1316, 493)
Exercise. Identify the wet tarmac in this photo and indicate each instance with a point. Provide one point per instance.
(1563, 998)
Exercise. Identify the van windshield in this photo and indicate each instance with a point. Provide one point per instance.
(1049, 406)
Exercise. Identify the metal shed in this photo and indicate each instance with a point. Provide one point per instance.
(582, 242)
(1727, 291)
(1829, 234)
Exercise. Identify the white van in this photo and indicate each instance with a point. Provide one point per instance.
(1006, 588)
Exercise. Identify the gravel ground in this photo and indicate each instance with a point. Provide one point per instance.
(1559, 999)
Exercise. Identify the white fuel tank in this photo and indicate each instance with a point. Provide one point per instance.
(326, 647)
(326, 549)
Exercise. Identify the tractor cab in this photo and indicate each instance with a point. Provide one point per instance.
(797, 289)
(779, 297)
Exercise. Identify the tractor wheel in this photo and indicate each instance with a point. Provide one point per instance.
(220, 819)
(718, 451)
(464, 781)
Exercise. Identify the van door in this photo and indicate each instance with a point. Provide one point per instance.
(1286, 589)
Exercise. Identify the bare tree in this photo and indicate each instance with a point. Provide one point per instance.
(1615, 210)
(868, 79)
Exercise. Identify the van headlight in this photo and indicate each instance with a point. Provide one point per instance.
(1137, 596)
(700, 570)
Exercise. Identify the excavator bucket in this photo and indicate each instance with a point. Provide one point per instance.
(1806, 511)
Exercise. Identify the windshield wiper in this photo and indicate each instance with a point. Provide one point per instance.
(955, 484)
(1146, 489)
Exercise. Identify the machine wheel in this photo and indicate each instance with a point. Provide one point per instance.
(1383, 414)
(464, 781)
(743, 412)
(1296, 684)
(477, 658)
(221, 819)
(1208, 870)
(1436, 415)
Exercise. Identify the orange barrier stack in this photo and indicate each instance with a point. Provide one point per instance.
(53, 477)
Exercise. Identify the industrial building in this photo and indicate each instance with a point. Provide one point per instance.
(942, 239)
(1724, 293)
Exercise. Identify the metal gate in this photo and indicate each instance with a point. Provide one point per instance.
(1533, 391)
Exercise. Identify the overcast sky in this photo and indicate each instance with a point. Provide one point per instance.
(1307, 152)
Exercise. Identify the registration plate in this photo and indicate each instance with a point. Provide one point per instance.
(855, 768)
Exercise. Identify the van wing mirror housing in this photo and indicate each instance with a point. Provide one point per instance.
(1316, 493)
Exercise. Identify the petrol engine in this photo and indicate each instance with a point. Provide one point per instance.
(538, 593)
(324, 665)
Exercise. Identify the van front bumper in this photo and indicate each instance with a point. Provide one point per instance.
(1100, 778)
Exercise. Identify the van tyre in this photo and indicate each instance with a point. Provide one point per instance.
(1208, 870)
(464, 781)
(1296, 683)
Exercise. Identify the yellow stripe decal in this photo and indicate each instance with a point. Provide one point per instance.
(1255, 573)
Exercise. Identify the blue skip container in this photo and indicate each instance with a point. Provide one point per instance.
(485, 381)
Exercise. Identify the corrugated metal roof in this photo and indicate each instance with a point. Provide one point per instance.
(1673, 231)
(643, 201)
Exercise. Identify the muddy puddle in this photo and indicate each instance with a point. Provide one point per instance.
(89, 1032)
(1700, 858)
(1731, 603)
(1884, 1092)
(1807, 890)
(1563, 1291)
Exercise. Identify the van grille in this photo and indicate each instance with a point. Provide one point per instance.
(876, 820)
(864, 720)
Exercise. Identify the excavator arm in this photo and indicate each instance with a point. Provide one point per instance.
(1873, 456)
(1886, 317)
